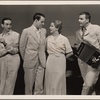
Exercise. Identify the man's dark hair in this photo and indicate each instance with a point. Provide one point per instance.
(87, 14)
(7, 18)
(38, 16)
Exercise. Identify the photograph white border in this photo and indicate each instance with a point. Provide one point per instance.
(67, 97)
(49, 2)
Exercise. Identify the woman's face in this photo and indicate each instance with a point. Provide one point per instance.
(53, 29)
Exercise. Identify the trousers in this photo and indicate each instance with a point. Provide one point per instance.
(9, 66)
(34, 77)
(90, 76)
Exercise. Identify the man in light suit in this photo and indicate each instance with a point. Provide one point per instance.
(90, 34)
(32, 49)
(9, 57)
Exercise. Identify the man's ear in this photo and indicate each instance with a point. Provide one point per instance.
(87, 20)
(2, 25)
(36, 20)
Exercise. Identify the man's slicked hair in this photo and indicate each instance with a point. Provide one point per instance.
(87, 14)
(38, 16)
(7, 18)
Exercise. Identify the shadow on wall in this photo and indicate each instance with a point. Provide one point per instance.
(20, 86)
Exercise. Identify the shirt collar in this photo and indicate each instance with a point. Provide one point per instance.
(87, 27)
(8, 33)
(36, 28)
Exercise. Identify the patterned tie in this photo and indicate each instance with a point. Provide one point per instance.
(83, 32)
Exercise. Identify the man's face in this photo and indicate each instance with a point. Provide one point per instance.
(7, 25)
(40, 22)
(82, 20)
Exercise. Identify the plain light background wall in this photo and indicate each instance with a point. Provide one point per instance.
(22, 15)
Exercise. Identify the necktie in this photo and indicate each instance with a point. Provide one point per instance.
(83, 32)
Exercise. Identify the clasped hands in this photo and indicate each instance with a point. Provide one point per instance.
(2, 40)
(9, 48)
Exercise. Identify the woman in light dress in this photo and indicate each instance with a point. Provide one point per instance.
(58, 48)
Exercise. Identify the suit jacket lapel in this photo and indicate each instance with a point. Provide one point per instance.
(86, 33)
(35, 37)
(34, 34)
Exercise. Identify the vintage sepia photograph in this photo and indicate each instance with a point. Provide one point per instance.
(50, 49)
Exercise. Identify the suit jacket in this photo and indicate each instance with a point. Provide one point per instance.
(91, 36)
(31, 49)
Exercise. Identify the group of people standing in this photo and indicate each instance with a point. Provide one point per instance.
(44, 74)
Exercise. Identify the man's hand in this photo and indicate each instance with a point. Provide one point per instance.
(9, 48)
(2, 40)
(94, 60)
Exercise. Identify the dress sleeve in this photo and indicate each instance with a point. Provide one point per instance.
(67, 46)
